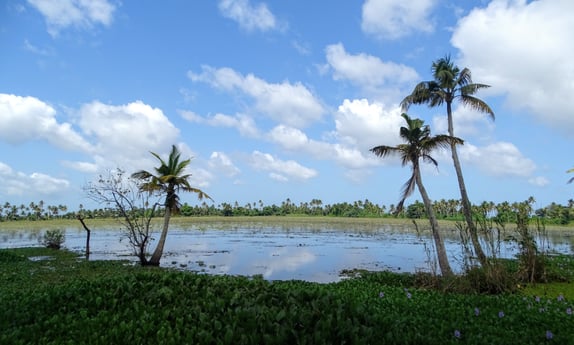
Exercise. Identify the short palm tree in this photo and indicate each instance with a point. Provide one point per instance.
(450, 84)
(418, 145)
(169, 178)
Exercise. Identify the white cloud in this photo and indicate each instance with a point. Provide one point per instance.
(278, 177)
(279, 169)
(248, 17)
(20, 184)
(243, 123)
(83, 14)
(291, 104)
(200, 178)
(365, 70)
(85, 167)
(393, 19)
(220, 162)
(498, 159)
(126, 133)
(36, 50)
(366, 125)
(524, 50)
(27, 119)
(360, 125)
(538, 181)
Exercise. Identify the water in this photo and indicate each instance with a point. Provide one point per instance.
(315, 252)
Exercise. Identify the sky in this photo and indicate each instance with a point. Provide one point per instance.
(277, 100)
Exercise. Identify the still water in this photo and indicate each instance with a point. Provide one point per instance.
(312, 252)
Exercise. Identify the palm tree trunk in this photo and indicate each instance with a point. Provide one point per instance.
(466, 206)
(439, 243)
(158, 252)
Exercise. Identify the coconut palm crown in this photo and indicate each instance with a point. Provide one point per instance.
(419, 145)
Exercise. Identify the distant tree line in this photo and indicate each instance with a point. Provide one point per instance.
(451, 209)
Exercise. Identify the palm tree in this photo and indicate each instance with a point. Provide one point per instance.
(449, 84)
(570, 171)
(169, 179)
(419, 144)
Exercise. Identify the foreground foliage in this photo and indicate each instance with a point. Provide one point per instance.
(68, 301)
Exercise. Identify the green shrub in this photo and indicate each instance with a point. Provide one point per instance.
(54, 238)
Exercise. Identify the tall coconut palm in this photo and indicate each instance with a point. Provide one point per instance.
(419, 144)
(570, 171)
(450, 84)
(169, 178)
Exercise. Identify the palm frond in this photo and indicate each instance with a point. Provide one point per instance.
(464, 78)
(428, 159)
(142, 175)
(407, 190)
(477, 104)
(384, 151)
(420, 95)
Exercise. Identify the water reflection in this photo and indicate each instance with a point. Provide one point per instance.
(310, 252)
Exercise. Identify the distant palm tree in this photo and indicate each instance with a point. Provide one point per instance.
(419, 144)
(570, 171)
(449, 84)
(169, 178)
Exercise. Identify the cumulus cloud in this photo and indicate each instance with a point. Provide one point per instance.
(220, 162)
(359, 126)
(249, 17)
(498, 159)
(200, 178)
(365, 70)
(496, 43)
(15, 183)
(393, 19)
(366, 125)
(243, 123)
(28, 118)
(280, 170)
(291, 104)
(126, 133)
(83, 14)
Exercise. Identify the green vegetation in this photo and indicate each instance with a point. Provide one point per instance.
(64, 300)
(552, 214)
(54, 238)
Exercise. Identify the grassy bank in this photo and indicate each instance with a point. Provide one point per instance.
(63, 300)
(220, 221)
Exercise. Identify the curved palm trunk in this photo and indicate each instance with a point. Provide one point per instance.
(439, 243)
(158, 252)
(466, 206)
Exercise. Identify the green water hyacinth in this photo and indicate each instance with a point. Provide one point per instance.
(56, 301)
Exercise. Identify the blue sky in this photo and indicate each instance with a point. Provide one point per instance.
(280, 99)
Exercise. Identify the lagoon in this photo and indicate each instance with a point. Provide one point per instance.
(311, 251)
